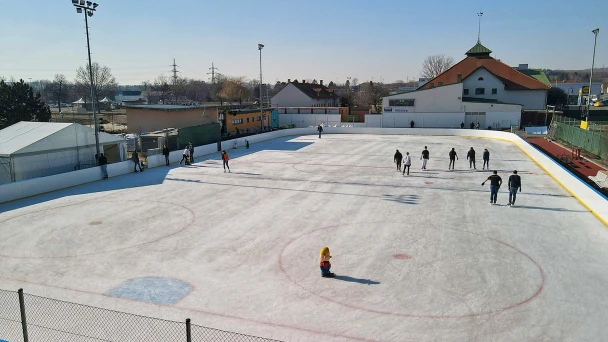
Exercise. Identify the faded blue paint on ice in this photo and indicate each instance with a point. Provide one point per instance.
(164, 291)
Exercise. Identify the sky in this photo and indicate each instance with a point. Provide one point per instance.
(379, 40)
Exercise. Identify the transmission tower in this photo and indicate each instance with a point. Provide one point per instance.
(212, 73)
(175, 71)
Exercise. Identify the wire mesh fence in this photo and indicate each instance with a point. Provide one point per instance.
(569, 131)
(25, 317)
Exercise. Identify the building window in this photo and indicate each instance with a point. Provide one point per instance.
(402, 103)
(480, 79)
(494, 91)
(465, 92)
(259, 118)
(480, 91)
(247, 120)
(237, 121)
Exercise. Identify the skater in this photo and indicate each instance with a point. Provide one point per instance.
(397, 159)
(471, 158)
(246, 143)
(424, 157)
(412, 124)
(103, 162)
(477, 126)
(320, 129)
(225, 160)
(495, 183)
(462, 125)
(407, 162)
(324, 263)
(166, 154)
(486, 159)
(185, 156)
(514, 184)
(472, 125)
(453, 157)
(135, 159)
(191, 154)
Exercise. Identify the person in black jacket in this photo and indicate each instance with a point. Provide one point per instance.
(166, 154)
(514, 185)
(397, 159)
(191, 148)
(135, 159)
(320, 130)
(495, 183)
(425, 157)
(486, 159)
(103, 162)
(471, 158)
(453, 157)
(462, 125)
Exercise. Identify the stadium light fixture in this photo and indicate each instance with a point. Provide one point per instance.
(595, 32)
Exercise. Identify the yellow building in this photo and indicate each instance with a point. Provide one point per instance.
(245, 120)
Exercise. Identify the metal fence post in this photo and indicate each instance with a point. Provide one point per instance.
(188, 331)
(22, 309)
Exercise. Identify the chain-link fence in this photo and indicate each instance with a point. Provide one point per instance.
(25, 318)
(591, 140)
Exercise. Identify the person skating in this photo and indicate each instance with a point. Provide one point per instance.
(424, 157)
(397, 159)
(471, 158)
(462, 125)
(477, 126)
(514, 184)
(486, 159)
(320, 130)
(324, 263)
(472, 125)
(412, 124)
(191, 148)
(135, 159)
(103, 162)
(407, 162)
(166, 154)
(495, 183)
(453, 157)
(185, 156)
(225, 160)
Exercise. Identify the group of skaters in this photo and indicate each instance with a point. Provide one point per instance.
(472, 125)
(188, 156)
(514, 183)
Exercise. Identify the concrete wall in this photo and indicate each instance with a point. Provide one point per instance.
(588, 196)
(443, 99)
(290, 96)
(306, 120)
(530, 99)
(422, 120)
(147, 120)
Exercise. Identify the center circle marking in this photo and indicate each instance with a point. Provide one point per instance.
(451, 274)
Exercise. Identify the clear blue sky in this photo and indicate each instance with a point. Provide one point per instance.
(329, 40)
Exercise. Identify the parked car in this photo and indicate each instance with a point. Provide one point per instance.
(601, 103)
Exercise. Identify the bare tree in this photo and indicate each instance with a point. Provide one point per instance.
(104, 84)
(372, 96)
(355, 82)
(234, 89)
(58, 89)
(161, 87)
(435, 65)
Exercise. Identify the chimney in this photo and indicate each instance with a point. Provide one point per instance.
(303, 81)
(289, 80)
(321, 82)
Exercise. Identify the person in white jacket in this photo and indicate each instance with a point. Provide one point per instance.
(407, 162)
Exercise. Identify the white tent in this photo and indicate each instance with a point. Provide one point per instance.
(37, 149)
(80, 101)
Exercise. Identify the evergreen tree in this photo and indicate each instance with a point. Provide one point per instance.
(18, 103)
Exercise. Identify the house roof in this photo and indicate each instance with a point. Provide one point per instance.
(31, 137)
(478, 57)
(316, 91)
(537, 74)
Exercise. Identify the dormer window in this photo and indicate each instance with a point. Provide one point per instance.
(480, 79)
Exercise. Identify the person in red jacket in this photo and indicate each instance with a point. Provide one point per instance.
(225, 160)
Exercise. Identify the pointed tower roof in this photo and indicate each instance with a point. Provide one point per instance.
(479, 51)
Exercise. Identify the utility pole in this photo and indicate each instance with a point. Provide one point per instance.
(174, 79)
(260, 47)
(212, 73)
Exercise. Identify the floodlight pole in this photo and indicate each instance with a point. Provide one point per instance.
(595, 32)
(260, 47)
(85, 10)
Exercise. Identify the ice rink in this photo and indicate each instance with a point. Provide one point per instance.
(423, 257)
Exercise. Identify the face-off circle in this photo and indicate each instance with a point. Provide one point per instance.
(413, 270)
(90, 228)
